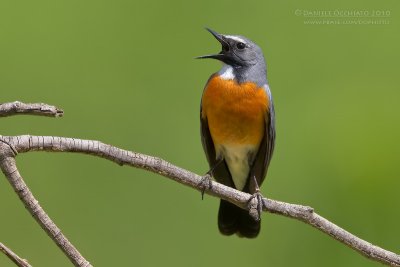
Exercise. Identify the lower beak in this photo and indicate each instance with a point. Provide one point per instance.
(215, 56)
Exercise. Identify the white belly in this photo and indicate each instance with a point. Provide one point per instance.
(238, 158)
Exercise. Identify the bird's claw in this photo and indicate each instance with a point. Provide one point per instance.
(255, 205)
(205, 184)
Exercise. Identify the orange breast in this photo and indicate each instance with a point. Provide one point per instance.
(235, 112)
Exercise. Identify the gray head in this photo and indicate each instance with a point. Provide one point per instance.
(243, 56)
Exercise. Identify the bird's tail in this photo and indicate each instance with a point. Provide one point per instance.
(232, 219)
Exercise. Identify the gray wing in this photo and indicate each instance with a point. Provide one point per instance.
(264, 154)
(207, 141)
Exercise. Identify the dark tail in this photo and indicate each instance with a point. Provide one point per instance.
(232, 219)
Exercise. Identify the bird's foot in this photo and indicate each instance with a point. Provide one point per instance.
(205, 184)
(255, 205)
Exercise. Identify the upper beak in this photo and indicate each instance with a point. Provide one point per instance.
(221, 39)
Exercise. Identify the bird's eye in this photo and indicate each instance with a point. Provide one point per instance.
(240, 45)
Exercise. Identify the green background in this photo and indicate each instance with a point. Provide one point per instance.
(124, 73)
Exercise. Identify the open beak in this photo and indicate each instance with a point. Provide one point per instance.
(224, 43)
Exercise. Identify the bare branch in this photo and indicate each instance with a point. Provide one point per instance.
(9, 168)
(16, 108)
(14, 257)
(306, 214)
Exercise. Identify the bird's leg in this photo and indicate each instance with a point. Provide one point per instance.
(255, 209)
(205, 182)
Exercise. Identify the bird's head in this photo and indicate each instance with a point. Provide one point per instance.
(237, 51)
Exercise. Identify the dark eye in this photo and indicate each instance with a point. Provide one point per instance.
(240, 45)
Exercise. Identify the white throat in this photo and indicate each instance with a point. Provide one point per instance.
(226, 73)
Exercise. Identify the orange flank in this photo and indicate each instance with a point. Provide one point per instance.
(235, 112)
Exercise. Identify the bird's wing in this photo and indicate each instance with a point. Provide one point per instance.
(264, 154)
(207, 141)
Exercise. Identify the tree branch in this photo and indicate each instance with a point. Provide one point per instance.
(10, 146)
(14, 257)
(27, 143)
(15, 108)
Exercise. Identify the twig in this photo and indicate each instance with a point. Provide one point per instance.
(14, 257)
(15, 108)
(10, 170)
(306, 214)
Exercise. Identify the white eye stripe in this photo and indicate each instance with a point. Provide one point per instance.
(235, 38)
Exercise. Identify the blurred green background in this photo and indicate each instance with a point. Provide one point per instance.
(124, 73)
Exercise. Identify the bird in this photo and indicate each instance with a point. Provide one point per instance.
(237, 121)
